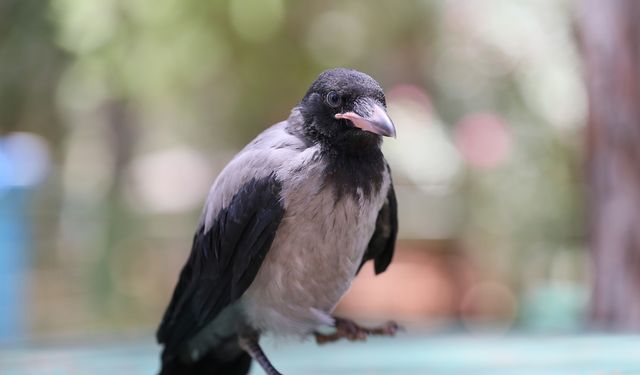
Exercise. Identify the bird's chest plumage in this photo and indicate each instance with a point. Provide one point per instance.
(315, 255)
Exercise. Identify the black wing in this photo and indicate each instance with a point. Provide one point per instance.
(383, 241)
(224, 261)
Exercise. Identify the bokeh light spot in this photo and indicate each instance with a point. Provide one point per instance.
(422, 140)
(336, 38)
(24, 159)
(85, 25)
(483, 140)
(489, 306)
(256, 20)
(173, 180)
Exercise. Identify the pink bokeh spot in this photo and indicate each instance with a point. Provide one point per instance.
(483, 139)
(411, 92)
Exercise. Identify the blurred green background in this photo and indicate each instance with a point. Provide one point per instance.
(116, 116)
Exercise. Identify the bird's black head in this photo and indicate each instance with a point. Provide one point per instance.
(346, 108)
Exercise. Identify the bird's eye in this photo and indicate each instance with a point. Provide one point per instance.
(333, 99)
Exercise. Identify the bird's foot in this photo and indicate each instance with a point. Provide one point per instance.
(351, 331)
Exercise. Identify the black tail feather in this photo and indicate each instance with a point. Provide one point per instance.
(208, 365)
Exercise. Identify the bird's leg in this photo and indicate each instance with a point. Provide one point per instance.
(350, 330)
(249, 343)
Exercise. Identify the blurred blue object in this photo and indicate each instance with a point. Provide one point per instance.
(555, 307)
(23, 165)
(14, 245)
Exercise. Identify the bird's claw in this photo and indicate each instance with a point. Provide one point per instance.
(351, 331)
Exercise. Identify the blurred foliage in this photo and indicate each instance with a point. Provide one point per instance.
(31, 68)
(142, 103)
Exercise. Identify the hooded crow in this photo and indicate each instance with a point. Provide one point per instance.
(286, 227)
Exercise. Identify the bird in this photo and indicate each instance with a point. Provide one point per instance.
(286, 226)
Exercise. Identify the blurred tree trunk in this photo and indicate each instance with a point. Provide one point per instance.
(118, 115)
(611, 40)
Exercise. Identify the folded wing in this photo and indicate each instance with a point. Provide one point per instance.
(224, 260)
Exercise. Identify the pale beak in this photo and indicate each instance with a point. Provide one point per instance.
(369, 115)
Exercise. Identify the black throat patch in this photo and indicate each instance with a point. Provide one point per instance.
(351, 170)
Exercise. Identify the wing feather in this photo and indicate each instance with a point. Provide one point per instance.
(224, 260)
(383, 241)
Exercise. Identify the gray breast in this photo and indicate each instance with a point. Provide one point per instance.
(316, 252)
